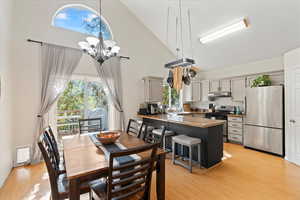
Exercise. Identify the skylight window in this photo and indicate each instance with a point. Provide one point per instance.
(81, 19)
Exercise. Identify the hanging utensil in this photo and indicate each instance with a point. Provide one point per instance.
(170, 79)
(192, 73)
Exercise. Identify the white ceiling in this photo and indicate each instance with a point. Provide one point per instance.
(274, 27)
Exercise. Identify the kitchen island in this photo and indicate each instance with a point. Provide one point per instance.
(209, 131)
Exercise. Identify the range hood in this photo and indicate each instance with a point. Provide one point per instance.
(213, 95)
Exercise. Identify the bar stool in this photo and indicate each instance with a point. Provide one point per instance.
(159, 133)
(189, 142)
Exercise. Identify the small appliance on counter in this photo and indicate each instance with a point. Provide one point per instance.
(149, 109)
(211, 107)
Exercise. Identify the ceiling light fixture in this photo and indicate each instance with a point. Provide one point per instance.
(238, 26)
(98, 48)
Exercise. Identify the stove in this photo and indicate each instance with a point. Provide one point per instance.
(221, 113)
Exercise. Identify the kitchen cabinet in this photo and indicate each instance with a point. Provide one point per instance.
(235, 129)
(153, 89)
(204, 90)
(277, 78)
(196, 91)
(225, 85)
(214, 86)
(187, 93)
(238, 89)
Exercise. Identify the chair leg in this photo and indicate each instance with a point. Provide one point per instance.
(199, 154)
(190, 158)
(173, 152)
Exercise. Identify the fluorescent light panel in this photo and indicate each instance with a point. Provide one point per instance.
(238, 26)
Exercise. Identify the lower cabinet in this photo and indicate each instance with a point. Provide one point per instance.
(235, 129)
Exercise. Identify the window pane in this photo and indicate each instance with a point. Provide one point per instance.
(81, 99)
(83, 20)
(172, 94)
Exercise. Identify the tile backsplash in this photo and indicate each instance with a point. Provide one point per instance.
(218, 102)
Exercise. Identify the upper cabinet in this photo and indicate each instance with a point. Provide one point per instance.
(225, 85)
(214, 86)
(220, 85)
(196, 91)
(204, 90)
(238, 89)
(187, 93)
(153, 89)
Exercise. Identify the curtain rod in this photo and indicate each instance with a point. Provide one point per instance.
(41, 43)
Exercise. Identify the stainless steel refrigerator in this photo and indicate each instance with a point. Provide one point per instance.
(264, 119)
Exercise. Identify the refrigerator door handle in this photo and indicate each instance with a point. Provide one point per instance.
(245, 105)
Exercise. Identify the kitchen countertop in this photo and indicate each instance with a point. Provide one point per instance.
(235, 115)
(193, 112)
(185, 120)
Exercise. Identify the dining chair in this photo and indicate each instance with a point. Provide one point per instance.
(151, 137)
(58, 181)
(131, 180)
(134, 127)
(90, 125)
(53, 141)
(138, 128)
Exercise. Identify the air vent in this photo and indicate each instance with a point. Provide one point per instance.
(22, 155)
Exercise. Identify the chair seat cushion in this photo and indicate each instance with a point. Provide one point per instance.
(63, 186)
(99, 188)
(159, 132)
(186, 140)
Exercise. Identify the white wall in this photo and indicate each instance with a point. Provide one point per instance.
(147, 55)
(291, 59)
(268, 65)
(6, 142)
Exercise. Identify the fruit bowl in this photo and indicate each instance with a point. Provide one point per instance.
(108, 137)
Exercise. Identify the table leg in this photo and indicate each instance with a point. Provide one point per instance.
(161, 177)
(74, 193)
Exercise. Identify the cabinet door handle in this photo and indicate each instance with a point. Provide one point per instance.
(293, 121)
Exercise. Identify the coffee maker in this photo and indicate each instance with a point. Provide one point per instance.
(149, 109)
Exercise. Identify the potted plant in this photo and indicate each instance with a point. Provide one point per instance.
(261, 81)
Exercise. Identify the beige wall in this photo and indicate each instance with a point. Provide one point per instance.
(268, 65)
(147, 56)
(6, 140)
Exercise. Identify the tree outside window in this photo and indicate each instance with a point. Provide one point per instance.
(171, 97)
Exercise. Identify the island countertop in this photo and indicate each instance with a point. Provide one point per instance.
(185, 120)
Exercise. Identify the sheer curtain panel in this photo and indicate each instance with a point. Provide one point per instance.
(58, 64)
(110, 74)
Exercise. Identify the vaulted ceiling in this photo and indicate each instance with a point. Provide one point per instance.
(274, 28)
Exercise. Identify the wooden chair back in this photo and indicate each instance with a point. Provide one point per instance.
(134, 127)
(51, 163)
(49, 134)
(90, 125)
(133, 178)
(151, 138)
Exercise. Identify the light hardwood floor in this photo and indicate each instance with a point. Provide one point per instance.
(243, 175)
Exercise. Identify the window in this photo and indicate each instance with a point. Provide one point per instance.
(83, 98)
(81, 19)
(171, 98)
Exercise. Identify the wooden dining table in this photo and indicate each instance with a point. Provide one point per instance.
(84, 161)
